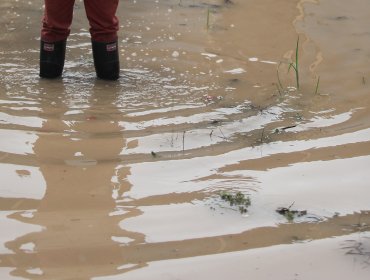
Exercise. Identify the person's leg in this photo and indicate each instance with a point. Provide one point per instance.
(103, 21)
(57, 20)
(55, 30)
(103, 29)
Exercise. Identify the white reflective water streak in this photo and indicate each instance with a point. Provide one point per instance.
(194, 220)
(216, 114)
(319, 260)
(11, 229)
(35, 271)
(162, 110)
(200, 167)
(30, 122)
(5, 274)
(175, 120)
(16, 185)
(17, 141)
(313, 186)
(320, 122)
(28, 247)
(331, 186)
(321, 195)
(18, 102)
(197, 138)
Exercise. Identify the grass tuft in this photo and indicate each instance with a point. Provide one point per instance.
(238, 199)
(295, 64)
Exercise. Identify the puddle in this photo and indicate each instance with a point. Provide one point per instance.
(123, 180)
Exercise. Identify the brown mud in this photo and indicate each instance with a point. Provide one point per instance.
(123, 180)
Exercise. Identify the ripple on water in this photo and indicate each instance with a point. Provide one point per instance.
(134, 165)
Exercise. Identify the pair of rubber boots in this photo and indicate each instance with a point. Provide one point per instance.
(106, 59)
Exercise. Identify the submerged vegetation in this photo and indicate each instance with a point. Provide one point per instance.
(208, 15)
(360, 249)
(241, 202)
(289, 214)
(295, 64)
(238, 199)
(317, 85)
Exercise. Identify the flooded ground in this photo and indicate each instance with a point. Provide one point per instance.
(123, 180)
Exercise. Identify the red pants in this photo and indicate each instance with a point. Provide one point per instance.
(100, 13)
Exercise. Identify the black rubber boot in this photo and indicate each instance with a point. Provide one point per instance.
(106, 60)
(52, 57)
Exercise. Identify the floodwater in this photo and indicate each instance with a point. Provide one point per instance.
(122, 180)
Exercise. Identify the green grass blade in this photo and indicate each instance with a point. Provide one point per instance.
(208, 12)
(296, 68)
(278, 76)
(317, 85)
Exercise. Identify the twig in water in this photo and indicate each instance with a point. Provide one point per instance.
(317, 85)
(208, 15)
(278, 89)
(262, 135)
(288, 127)
(223, 136)
(278, 77)
(291, 205)
(296, 63)
(183, 141)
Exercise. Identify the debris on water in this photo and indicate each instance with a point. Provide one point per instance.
(215, 122)
(209, 55)
(285, 128)
(234, 80)
(278, 130)
(23, 173)
(239, 199)
(288, 127)
(339, 18)
(359, 249)
(289, 214)
(236, 71)
(91, 118)
(211, 99)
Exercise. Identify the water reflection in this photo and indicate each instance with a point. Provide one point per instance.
(80, 228)
(77, 164)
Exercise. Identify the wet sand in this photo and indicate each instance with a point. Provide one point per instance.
(122, 180)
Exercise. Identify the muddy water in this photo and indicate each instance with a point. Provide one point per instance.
(122, 180)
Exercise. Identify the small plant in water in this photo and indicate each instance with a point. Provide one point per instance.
(295, 64)
(238, 199)
(317, 85)
(289, 214)
(208, 17)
